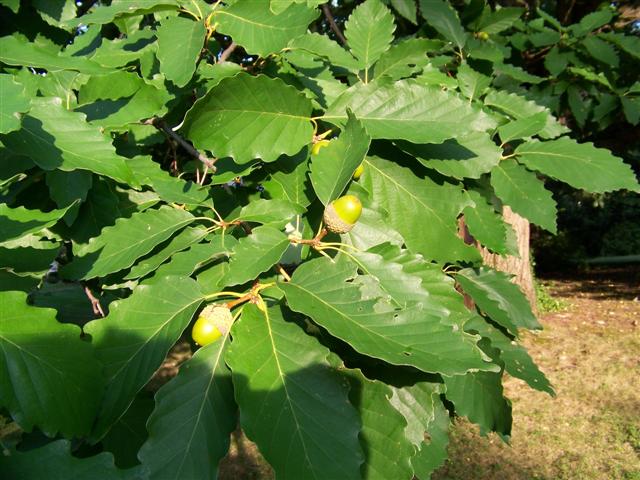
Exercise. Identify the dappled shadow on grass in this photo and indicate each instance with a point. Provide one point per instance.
(619, 283)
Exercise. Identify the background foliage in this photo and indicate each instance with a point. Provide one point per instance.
(156, 157)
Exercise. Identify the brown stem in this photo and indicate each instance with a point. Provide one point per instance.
(332, 23)
(227, 52)
(161, 125)
(95, 303)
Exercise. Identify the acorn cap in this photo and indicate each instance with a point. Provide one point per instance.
(219, 315)
(333, 222)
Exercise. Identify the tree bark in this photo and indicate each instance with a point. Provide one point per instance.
(518, 266)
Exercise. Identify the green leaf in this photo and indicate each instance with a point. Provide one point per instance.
(181, 241)
(443, 17)
(119, 246)
(13, 5)
(580, 106)
(106, 14)
(387, 450)
(472, 84)
(244, 117)
(581, 165)
(37, 258)
(54, 137)
(525, 194)
(323, 46)
(522, 128)
(132, 351)
(468, 156)
(407, 110)
(333, 166)
(15, 51)
(369, 32)
(434, 453)
(255, 254)
(631, 109)
(197, 256)
(406, 8)
(592, 21)
(289, 180)
(518, 107)
(49, 377)
(486, 225)
(390, 266)
(194, 416)
(601, 51)
(66, 188)
(275, 212)
(628, 43)
(412, 203)
(555, 61)
(179, 43)
(123, 51)
(478, 396)
(170, 189)
(499, 20)
(14, 102)
(54, 461)
(121, 98)
(19, 221)
(517, 73)
(256, 28)
(500, 299)
(327, 292)
(590, 75)
(54, 12)
(405, 58)
(287, 390)
(516, 360)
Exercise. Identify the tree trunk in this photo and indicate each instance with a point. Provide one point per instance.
(518, 266)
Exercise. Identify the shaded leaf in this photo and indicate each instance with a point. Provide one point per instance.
(55, 462)
(443, 17)
(468, 156)
(119, 246)
(194, 416)
(49, 377)
(132, 351)
(54, 137)
(292, 403)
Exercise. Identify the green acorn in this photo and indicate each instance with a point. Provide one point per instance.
(342, 214)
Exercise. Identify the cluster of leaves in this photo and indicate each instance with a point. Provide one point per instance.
(587, 71)
(352, 357)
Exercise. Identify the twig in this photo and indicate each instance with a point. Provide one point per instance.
(332, 23)
(161, 125)
(95, 303)
(227, 52)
